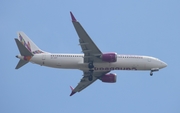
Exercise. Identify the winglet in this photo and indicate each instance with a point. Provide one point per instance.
(72, 93)
(73, 18)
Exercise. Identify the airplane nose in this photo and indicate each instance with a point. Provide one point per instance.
(163, 64)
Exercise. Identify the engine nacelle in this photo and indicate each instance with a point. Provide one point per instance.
(109, 57)
(109, 78)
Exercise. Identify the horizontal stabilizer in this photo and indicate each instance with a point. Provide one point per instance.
(22, 49)
(21, 63)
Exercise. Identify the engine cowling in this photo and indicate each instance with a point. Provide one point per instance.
(109, 57)
(109, 78)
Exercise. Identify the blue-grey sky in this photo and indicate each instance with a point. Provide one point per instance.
(143, 27)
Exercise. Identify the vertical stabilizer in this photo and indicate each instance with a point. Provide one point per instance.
(22, 49)
(27, 49)
(28, 43)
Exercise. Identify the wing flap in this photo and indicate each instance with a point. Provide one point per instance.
(88, 47)
(84, 82)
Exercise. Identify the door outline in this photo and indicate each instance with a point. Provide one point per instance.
(43, 57)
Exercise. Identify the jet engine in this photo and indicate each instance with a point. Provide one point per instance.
(109, 78)
(109, 57)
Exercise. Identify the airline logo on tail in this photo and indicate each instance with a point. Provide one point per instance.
(28, 46)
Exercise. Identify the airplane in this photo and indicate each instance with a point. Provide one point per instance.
(96, 65)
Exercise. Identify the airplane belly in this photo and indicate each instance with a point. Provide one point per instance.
(97, 66)
(69, 63)
(128, 64)
(101, 66)
(56, 61)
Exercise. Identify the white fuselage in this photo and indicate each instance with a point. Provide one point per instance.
(76, 61)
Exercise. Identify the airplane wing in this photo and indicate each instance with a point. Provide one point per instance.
(90, 50)
(84, 82)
